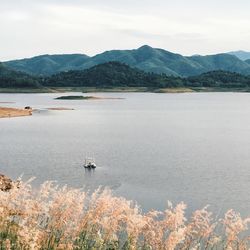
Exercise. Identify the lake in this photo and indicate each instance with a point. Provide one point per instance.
(191, 147)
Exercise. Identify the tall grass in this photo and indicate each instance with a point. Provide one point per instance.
(54, 217)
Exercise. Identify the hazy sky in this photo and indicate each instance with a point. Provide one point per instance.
(33, 27)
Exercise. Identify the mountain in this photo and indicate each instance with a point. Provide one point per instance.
(248, 61)
(14, 79)
(145, 58)
(242, 55)
(48, 64)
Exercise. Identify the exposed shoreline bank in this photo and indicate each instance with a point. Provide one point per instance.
(123, 90)
(14, 112)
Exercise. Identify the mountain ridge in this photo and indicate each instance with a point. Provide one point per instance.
(146, 58)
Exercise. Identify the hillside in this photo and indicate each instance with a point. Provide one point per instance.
(14, 79)
(145, 58)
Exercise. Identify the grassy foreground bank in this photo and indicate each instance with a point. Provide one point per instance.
(64, 218)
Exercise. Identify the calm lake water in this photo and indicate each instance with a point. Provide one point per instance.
(192, 147)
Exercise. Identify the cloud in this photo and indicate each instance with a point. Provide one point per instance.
(32, 27)
(141, 34)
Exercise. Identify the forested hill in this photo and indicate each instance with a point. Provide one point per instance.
(112, 74)
(222, 79)
(15, 79)
(116, 74)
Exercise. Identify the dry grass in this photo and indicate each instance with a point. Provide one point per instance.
(55, 217)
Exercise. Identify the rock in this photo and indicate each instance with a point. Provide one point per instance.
(5, 183)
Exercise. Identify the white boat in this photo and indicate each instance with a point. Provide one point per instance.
(89, 163)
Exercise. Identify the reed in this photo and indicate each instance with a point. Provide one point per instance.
(54, 217)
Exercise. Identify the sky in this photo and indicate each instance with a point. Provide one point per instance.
(34, 27)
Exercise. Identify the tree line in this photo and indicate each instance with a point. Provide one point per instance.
(116, 74)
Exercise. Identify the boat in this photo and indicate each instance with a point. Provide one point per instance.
(90, 163)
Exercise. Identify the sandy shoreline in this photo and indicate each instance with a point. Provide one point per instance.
(14, 112)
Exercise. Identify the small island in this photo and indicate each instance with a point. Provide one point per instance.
(80, 97)
(75, 97)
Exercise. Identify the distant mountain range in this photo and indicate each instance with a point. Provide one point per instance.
(242, 55)
(145, 58)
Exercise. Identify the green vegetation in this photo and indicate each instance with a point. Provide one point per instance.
(144, 58)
